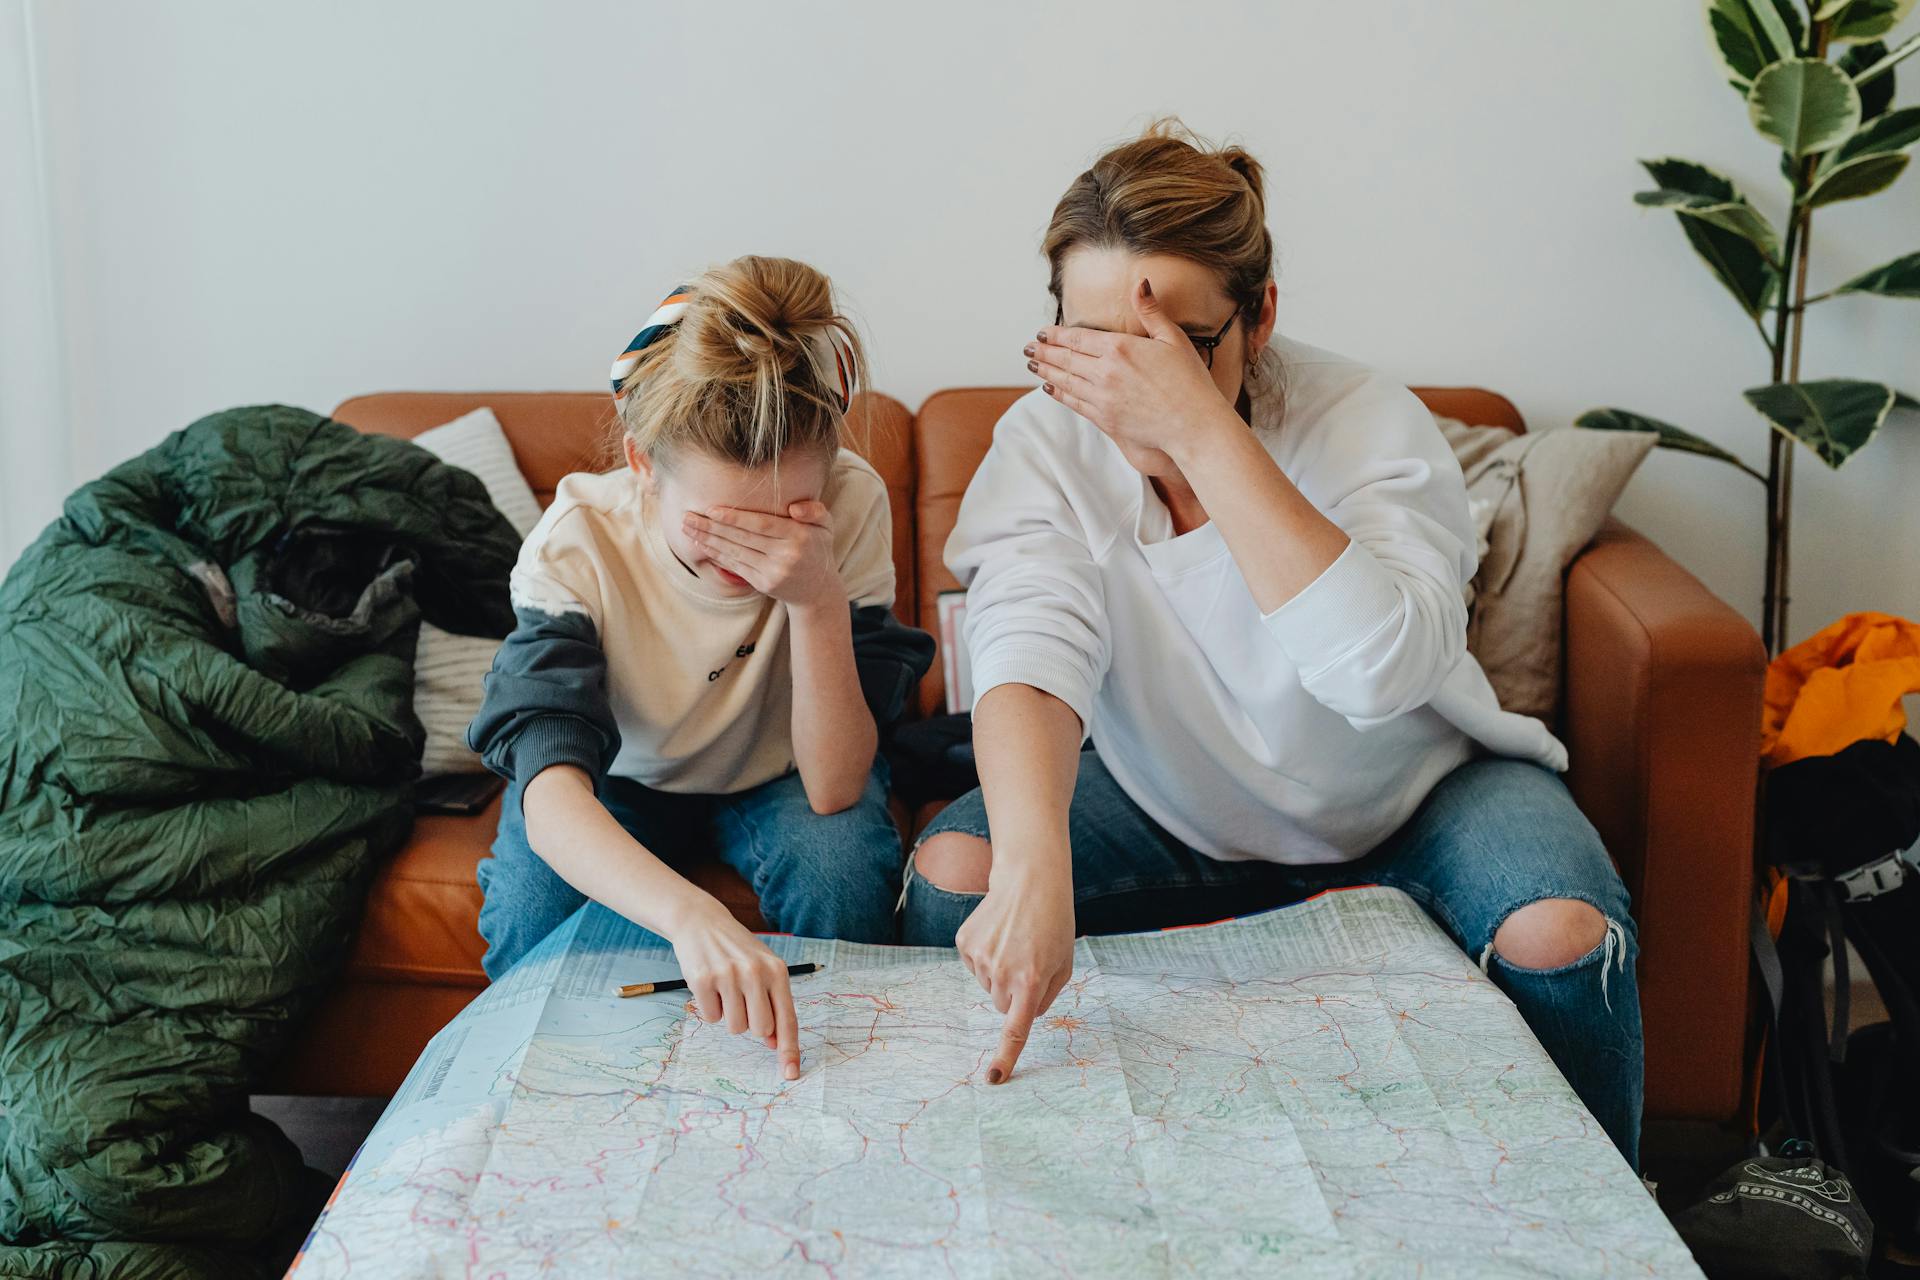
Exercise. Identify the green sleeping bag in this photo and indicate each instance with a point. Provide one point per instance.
(207, 744)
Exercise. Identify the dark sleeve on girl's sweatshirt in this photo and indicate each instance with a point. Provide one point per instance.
(546, 700)
(890, 657)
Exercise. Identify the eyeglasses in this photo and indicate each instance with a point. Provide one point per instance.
(1204, 346)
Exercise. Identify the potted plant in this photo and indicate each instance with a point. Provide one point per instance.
(1839, 140)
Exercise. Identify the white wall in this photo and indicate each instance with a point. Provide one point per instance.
(37, 460)
(276, 201)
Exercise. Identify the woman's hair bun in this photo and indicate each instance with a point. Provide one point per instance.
(1243, 163)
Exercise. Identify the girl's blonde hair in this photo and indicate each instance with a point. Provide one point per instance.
(1170, 191)
(748, 371)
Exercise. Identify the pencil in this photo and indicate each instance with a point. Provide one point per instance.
(680, 984)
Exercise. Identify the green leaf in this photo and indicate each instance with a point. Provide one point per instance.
(1865, 19)
(1859, 177)
(1804, 104)
(1786, 27)
(1752, 35)
(1883, 67)
(1671, 437)
(1743, 269)
(1736, 216)
(1897, 279)
(1834, 417)
(1694, 179)
(1876, 95)
(1893, 132)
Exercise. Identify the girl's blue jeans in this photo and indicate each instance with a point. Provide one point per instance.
(816, 875)
(1493, 836)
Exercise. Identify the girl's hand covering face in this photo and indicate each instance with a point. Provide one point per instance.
(789, 558)
(1149, 392)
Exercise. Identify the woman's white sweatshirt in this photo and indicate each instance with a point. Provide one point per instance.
(1308, 734)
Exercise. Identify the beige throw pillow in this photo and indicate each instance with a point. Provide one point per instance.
(448, 669)
(1538, 499)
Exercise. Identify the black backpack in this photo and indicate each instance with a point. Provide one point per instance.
(1841, 833)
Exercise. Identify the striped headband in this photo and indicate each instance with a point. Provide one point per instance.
(833, 361)
(664, 317)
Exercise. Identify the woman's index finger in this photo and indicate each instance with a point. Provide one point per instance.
(1088, 342)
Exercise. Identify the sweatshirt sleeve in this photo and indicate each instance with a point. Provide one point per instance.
(889, 655)
(546, 695)
(1036, 610)
(1376, 634)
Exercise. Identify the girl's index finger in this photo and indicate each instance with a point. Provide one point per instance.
(752, 521)
(786, 1029)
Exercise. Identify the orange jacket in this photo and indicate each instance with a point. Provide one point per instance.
(1839, 686)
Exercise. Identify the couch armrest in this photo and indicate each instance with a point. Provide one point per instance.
(1662, 723)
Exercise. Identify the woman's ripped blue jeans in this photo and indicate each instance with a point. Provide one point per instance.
(1493, 837)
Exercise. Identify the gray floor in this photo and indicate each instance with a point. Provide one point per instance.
(327, 1130)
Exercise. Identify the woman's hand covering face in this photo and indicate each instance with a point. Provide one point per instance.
(1149, 393)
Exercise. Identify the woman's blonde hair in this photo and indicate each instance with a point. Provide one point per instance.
(1171, 192)
(748, 372)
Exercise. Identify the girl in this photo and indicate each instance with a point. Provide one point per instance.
(1238, 561)
(705, 651)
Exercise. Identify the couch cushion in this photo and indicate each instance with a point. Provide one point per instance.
(951, 435)
(552, 433)
(448, 668)
(1542, 497)
(422, 917)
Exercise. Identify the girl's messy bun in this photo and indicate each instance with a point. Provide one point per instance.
(759, 363)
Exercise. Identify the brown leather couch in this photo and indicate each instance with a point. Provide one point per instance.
(1662, 718)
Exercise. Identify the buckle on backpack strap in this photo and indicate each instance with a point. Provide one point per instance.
(1882, 875)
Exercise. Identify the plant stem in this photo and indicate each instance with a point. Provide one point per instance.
(1786, 366)
(1782, 565)
(1778, 460)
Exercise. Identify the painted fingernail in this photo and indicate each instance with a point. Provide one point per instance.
(1042, 335)
(995, 1075)
(1032, 367)
(1027, 350)
(1047, 387)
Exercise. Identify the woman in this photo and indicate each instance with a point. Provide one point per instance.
(1237, 563)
